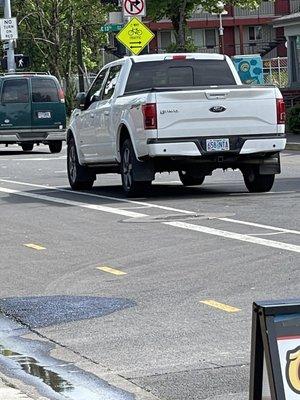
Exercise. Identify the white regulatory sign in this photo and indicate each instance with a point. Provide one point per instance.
(134, 8)
(9, 28)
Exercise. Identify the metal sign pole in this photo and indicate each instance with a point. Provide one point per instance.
(11, 65)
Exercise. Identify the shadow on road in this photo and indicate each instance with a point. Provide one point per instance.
(105, 195)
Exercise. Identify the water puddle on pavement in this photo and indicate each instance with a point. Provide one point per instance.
(31, 366)
(29, 361)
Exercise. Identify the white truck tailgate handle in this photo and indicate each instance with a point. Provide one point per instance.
(216, 95)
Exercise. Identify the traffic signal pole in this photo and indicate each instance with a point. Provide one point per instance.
(11, 65)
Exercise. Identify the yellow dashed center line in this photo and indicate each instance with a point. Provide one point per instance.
(111, 270)
(34, 246)
(221, 306)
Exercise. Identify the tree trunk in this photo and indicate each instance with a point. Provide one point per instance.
(182, 26)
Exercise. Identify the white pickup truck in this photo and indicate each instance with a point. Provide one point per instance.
(175, 112)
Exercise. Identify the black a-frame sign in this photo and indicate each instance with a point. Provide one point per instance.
(275, 351)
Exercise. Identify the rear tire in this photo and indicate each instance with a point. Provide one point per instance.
(190, 180)
(55, 147)
(257, 183)
(80, 178)
(128, 161)
(27, 146)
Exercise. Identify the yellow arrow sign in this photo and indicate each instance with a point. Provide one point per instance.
(135, 36)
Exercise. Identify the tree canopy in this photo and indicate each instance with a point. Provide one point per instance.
(178, 11)
(48, 31)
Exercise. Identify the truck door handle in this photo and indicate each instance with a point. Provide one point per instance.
(92, 115)
(106, 112)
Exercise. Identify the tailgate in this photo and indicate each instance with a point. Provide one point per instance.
(216, 112)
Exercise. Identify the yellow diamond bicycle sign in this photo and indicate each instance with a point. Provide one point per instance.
(135, 36)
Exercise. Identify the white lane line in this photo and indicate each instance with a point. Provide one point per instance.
(107, 209)
(268, 227)
(263, 193)
(235, 236)
(118, 199)
(33, 159)
(183, 225)
(150, 205)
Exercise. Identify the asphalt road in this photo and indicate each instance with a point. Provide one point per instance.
(121, 288)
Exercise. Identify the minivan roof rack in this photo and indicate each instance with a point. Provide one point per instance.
(24, 73)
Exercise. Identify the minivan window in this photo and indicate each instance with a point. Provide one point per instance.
(179, 73)
(15, 91)
(44, 91)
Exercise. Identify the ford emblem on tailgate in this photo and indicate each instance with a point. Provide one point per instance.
(217, 109)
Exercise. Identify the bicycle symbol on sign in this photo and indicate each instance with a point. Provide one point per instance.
(135, 32)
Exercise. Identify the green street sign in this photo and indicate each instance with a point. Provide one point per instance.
(111, 28)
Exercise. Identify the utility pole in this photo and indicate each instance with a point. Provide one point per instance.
(11, 65)
(221, 35)
(80, 63)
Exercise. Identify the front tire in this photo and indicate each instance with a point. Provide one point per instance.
(128, 162)
(189, 180)
(257, 183)
(80, 178)
(55, 147)
(27, 146)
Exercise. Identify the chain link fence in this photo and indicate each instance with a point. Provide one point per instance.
(276, 71)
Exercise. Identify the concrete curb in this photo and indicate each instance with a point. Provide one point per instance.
(13, 389)
(293, 146)
(8, 392)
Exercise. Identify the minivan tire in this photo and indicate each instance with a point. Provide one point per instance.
(190, 180)
(27, 146)
(80, 178)
(129, 161)
(257, 183)
(55, 147)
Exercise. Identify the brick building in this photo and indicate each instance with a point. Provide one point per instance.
(245, 31)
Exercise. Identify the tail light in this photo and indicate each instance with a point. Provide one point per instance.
(61, 95)
(150, 116)
(280, 106)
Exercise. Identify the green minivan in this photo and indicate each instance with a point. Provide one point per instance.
(32, 111)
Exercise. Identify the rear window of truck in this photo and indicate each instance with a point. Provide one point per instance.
(179, 73)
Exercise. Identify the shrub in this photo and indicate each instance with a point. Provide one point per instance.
(293, 119)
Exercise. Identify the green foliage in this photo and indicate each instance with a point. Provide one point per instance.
(48, 32)
(189, 47)
(293, 119)
(178, 11)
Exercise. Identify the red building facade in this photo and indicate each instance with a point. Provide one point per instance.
(245, 31)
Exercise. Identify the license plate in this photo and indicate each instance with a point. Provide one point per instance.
(217, 144)
(44, 114)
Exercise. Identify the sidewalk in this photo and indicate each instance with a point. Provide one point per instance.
(293, 141)
(9, 393)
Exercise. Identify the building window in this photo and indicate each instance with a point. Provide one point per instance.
(166, 39)
(255, 32)
(204, 37)
(210, 38)
(198, 37)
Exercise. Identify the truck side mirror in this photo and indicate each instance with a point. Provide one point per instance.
(81, 100)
